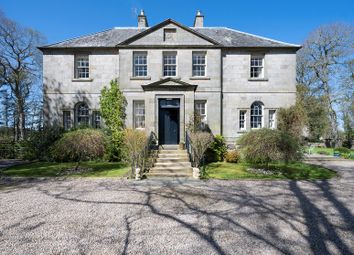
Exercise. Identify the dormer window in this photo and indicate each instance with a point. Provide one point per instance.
(82, 67)
(169, 34)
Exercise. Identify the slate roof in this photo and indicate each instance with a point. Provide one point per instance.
(232, 38)
(107, 38)
(225, 37)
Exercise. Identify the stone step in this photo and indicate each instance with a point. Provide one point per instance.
(170, 146)
(163, 174)
(161, 155)
(172, 168)
(173, 164)
(173, 152)
(172, 160)
(185, 170)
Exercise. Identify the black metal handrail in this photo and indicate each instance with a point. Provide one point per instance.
(191, 153)
(190, 150)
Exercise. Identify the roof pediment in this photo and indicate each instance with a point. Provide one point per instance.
(155, 36)
(169, 84)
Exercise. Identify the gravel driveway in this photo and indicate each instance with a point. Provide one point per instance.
(109, 216)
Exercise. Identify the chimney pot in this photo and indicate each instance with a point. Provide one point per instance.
(142, 19)
(199, 20)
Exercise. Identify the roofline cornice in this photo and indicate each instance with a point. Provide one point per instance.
(49, 49)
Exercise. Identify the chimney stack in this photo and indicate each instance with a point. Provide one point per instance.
(142, 20)
(199, 20)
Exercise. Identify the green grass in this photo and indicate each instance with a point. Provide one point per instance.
(329, 151)
(294, 171)
(51, 169)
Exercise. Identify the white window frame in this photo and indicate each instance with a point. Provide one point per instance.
(137, 122)
(203, 117)
(242, 119)
(67, 122)
(203, 67)
(78, 115)
(257, 61)
(141, 63)
(253, 115)
(169, 54)
(96, 119)
(272, 121)
(82, 66)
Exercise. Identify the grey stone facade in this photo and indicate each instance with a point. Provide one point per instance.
(226, 87)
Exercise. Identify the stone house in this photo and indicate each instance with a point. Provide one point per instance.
(236, 81)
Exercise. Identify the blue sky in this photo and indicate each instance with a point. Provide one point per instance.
(284, 20)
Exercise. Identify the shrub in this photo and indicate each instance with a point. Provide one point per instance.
(200, 141)
(37, 144)
(135, 141)
(343, 150)
(266, 145)
(232, 156)
(112, 106)
(79, 145)
(217, 149)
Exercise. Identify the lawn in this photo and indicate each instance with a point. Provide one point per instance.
(51, 169)
(295, 171)
(329, 151)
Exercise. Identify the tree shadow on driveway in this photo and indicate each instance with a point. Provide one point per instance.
(227, 219)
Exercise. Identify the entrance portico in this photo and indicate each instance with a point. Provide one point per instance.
(171, 105)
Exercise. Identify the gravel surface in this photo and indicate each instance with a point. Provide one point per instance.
(116, 216)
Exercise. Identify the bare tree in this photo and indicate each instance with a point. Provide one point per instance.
(19, 66)
(325, 57)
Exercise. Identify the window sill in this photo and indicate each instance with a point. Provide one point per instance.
(257, 79)
(137, 78)
(199, 78)
(242, 131)
(82, 80)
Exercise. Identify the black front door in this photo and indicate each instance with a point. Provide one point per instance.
(169, 121)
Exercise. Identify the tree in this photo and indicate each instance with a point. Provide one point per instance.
(19, 66)
(292, 120)
(112, 106)
(325, 58)
(316, 114)
(348, 131)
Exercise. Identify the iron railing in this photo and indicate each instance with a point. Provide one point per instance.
(190, 150)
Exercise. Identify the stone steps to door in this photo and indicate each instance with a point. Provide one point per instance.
(172, 162)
